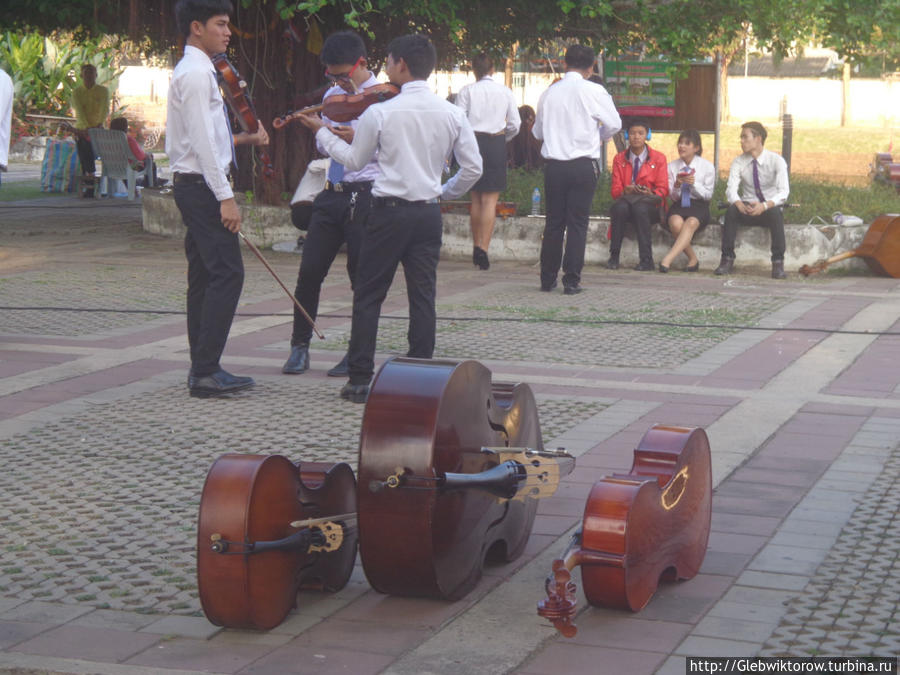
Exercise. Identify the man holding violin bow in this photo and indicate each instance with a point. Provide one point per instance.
(200, 147)
(412, 135)
(340, 211)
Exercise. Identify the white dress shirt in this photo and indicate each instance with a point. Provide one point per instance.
(6, 101)
(704, 178)
(773, 179)
(568, 115)
(490, 107)
(198, 139)
(370, 170)
(413, 134)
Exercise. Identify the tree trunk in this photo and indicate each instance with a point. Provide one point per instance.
(725, 60)
(845, 95)
(275, 60)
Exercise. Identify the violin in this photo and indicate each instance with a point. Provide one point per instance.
(344, 107)
(237, 98)
(450, 470)
(650, 524)
(267, 528)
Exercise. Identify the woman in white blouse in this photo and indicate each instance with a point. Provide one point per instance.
(691, 183)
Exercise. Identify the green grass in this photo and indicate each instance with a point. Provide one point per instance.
(10, 192)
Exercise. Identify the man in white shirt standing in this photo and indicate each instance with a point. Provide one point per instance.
(492, 112)
(413, 134)
(340, 211)
(200, 149)
(6, 101)
(757, 189)
(568, 117)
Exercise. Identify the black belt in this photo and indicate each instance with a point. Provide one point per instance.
(359, 186)
(396, 201)
(179, 178)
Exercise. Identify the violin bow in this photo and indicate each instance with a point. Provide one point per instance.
(280, 283)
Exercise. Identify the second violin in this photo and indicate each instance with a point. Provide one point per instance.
(344, 107)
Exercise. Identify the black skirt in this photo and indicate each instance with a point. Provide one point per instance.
(493, 159)
(698, 209)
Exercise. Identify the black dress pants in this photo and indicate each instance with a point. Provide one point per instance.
(771, 218)
(569, 187)
(215, 275)
(643, 214)
(405, 234)
(85, 154)
(337, 217)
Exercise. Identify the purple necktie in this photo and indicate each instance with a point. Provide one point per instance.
(756, 186)
(637, 167)
(685, 195)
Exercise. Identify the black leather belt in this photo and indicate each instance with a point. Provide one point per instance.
(359, 186)
(396, 201)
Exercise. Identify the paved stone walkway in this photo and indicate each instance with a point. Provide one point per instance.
(104, 457)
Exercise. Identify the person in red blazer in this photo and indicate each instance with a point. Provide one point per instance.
(639, 195)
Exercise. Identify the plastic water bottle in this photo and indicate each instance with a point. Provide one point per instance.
(536, 202)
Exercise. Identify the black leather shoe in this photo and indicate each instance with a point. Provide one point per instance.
(612, 263)
(358, 393)
(572, 290)
(663, 268)
(726, 264)
(548, 287)
(693, 268)
(221, 383)
(480, 258)
(644, 267)
(778, 270)
(340, 370)
(298, 361)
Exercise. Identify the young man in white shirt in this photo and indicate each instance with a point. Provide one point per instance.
(492, 112)
(412, 134)
(569, 115)
(200, 149)
(6, 101)
(757, 189)
(340, 211)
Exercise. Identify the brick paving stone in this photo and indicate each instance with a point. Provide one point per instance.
(847, 607)
(14, 632)
(91, 644)
(559, 658)
(188, 654)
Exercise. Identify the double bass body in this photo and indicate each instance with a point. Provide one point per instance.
(423, 421)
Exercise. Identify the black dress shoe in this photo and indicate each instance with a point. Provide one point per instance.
(612, 263)
(480, 258)
(778, 270)
(358, 393)
(663, 268)
(726, 264)
(220, 383)
(693, 268)
(298, 361)
(548, 287)
(341, 369)
(644, 266)
(572, 290)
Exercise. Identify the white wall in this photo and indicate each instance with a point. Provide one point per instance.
(872, 102)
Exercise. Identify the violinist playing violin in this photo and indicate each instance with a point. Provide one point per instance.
(200, 148)
(340, 211)
(411, 134)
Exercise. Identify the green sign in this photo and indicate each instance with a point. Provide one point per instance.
(641, 87)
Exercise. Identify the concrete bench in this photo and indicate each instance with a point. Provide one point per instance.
(519, 237)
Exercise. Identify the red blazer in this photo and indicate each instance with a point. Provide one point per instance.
(653, 173)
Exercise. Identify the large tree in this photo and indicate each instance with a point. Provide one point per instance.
(276, 42)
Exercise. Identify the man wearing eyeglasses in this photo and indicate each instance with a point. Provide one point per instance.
(339, 212)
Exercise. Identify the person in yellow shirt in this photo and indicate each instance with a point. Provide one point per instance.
(91, 103)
